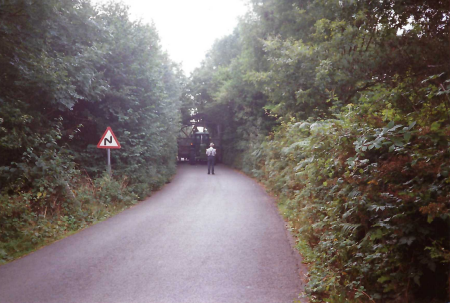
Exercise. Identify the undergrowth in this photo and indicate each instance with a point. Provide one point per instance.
(29, 221)
(368, 196)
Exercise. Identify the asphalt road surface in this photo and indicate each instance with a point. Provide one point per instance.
(202, 238)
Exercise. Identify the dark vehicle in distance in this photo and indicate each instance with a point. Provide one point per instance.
(192, 147)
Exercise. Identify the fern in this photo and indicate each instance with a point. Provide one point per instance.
(349, 228)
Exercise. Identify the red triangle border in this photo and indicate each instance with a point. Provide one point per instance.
(103, 137)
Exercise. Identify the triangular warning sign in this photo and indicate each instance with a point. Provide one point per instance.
(108, 140)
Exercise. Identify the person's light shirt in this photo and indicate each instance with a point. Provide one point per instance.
(211, 152)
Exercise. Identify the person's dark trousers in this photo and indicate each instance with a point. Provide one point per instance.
(211, 164)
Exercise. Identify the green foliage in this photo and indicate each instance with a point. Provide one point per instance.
(343, 109)
(69, 70)
(24, 227)
(375, 219)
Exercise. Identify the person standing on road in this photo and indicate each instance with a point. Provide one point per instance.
(211, 153)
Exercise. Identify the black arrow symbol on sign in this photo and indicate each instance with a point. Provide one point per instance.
(109, 141)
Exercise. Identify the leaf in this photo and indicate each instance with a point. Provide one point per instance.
(407, 136)
(377, 234)
(383, 279)
(407, 240)
(435, 126)
(397, 142)
(431, 266)
(349, 227)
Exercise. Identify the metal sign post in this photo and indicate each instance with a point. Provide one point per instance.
(109, 161)
(109, 141)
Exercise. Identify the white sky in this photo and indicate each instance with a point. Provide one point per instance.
(188, 28)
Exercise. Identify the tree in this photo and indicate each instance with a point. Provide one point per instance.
(341, 109)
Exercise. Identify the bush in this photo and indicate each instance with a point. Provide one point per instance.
(105, 71)
(24, 227)
(369, 202)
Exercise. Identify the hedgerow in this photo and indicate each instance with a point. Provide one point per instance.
(70, 69)
(368, 196)
(343, 109)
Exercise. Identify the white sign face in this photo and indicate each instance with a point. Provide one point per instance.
(108, 140)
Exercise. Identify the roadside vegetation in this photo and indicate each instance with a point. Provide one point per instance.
(69, 70)
(342, 108)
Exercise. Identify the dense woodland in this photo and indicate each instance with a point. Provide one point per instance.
(340, 107)
(69, 70)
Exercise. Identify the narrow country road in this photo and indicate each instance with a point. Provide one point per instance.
(202, 238)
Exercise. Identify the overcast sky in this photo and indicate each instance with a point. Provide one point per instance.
(188, 28)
